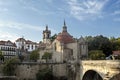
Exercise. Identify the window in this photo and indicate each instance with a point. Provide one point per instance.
(28, 46)
(48, 36)
(1, 48)
(32, 46)
(44, 36)
(71, 52)
(82, 46)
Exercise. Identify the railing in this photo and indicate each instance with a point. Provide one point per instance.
(102, 62)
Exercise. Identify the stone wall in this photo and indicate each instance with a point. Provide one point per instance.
(74, 47)
(59, 70)
(27, 71)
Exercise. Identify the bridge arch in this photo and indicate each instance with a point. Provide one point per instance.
(92, 75)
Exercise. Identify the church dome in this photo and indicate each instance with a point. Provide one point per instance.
(64, 36)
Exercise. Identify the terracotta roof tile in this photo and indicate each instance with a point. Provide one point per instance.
(30, 42)
(65, 37)
(116, 52)
(2, 42)
(7, 43)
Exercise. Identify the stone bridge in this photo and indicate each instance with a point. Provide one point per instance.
(81, 70)
(100, 70)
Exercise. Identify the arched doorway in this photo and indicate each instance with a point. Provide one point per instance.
(91, 75)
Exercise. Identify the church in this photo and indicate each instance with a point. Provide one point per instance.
(64, 48)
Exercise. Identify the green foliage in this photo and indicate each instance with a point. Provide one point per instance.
(99, 43)
(0, 52)
(52, 38)
(115, 43)
(1, 56)
(9, 66)
(44, 74)
(47, 56)
(96, 55)
(34, 55)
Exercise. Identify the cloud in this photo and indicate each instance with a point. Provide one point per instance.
(49, 9)
(40, 12)
(49, 1)
(3, 9)
(117, 19)
(8, 36)
(87, 9)
(116, 3)
(19, 26)
(117, 12)
(37, 10)
(1, 3)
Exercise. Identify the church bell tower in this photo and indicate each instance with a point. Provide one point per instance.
(46, 35)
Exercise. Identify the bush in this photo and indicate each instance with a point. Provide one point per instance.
(34, 55)
(45, 74)
(9, 67)
(47, 56)
(96, 55)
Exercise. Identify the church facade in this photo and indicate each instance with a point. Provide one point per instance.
(64, 48)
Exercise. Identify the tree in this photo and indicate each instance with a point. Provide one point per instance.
(96, 55)
(52, 38)
(90, 42)
(44, 74)
(115, 43)
(47, 56)
(99, 43)
(9, 67)
(1, 56)
(106, 48)
(34, 55)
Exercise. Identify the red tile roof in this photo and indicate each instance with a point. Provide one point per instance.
(65, 37)
(7, 43)
(30, 42)
(2, 42)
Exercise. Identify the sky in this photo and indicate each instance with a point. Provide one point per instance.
(28, 18)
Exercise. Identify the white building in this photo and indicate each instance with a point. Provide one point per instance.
(8, 49)
(26, 45)
(21, 43)
(30, 46)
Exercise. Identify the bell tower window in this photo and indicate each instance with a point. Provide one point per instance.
(46, 35)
